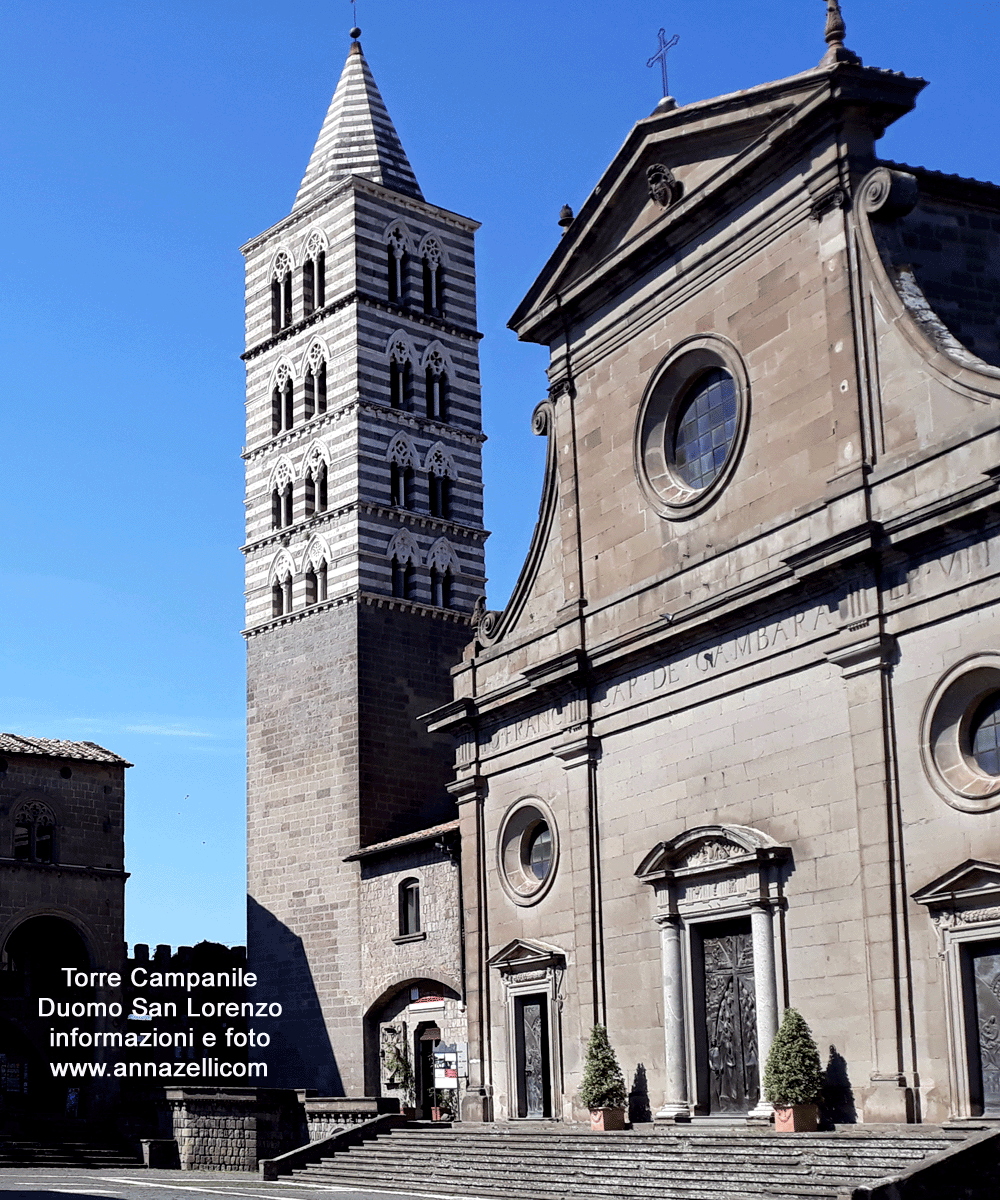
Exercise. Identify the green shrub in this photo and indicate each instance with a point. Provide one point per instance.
(603, 1082)
(793, 1074)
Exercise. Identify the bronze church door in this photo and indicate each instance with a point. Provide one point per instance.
(986, 982)
(531, 1049)
(728, 1075)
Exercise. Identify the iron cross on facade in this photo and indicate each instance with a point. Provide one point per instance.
(661, 55)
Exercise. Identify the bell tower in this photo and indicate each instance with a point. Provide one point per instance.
(364, 555)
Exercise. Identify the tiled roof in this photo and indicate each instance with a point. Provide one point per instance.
(407, 839)
(16, 743)
(357, 138)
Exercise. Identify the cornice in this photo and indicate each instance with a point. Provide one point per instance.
(371, 600)
(401, 516)
(368, 301)
(396, 416)
(65, 868)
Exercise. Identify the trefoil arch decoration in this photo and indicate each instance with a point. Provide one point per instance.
(317, 554)
(315, 357)
(442, 557)
(437, 360)
(432, 248)
(281, 265)
(402, 452)
(318, 453)
(282, 474)
(403, 547)
(282, 567)
(398, 236)
(34, 832)
(282, 373)
(399, 349)
(316, 243)
(440, 462)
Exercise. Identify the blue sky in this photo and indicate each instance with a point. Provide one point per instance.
(142, 144)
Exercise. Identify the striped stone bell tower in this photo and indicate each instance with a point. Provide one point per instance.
(364, 555)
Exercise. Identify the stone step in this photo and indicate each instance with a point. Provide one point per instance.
(25, 1153)
(417, 1184)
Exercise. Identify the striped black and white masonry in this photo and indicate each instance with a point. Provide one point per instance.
(357, 138)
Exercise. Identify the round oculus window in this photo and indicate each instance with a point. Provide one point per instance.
(692, 425)
(527, 851)
(960, 735)
(705, 429)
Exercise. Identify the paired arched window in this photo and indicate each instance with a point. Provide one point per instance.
(314, 276)
(400, 383)
(436, 383)
(440, 588)
(316, 487)
(401, 486)
(282, 402)
(409, 907)
(315, 387)
(316, 582)
(281, 293)
(281, 506)
(433, 273)
(281, 596)
(34, 833)
(403, 579)
(396, 263)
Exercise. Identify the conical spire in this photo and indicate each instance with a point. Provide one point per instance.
(357, 138)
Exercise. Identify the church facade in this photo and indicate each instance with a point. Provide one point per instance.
(734, 743)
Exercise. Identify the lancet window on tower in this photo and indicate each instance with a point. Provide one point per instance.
(442, 562)
(315, 383)
(440, 472)
(314, 275)
(316, 487)
(281, 293)
(281, 596)
(282, 401)
(436, 386)
(400, 376)
(34, 833)
(316, 581)
(402, 460)
(403, 579)
(433, 277)
(397, 261)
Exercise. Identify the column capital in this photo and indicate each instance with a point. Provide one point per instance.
(671, 919)
(468, 788)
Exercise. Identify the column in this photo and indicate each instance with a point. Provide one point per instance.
(766, 989)
(675, 1105)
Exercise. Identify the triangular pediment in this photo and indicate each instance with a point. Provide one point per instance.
(524, 955)
(972, 882)
(720, 153)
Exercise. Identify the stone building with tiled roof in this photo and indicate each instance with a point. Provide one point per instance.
(62, 904)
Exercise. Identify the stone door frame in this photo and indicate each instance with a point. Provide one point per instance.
(532, 969)
(706, 875)
(964, 907)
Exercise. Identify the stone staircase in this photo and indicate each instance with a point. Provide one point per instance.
(25, 1152)
(679, 1163)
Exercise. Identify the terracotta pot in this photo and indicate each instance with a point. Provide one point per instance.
(796, 1118)
(607, 1120)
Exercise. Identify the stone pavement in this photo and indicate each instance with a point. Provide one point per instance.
(140, 1184)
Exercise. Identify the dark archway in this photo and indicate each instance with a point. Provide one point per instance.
(35, 953)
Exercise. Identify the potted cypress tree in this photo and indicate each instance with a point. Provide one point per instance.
(793, 1079)
(603, 1090)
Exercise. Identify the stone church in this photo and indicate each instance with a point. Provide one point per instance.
(734, 743)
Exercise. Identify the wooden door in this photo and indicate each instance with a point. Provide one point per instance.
(729, 1019)
(531, 1036)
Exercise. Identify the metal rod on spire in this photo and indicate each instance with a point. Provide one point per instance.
(661, 55)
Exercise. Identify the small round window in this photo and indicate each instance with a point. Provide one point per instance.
(527, 851)
(692, 425)
(538, 850)
(984, 734)
(706, 427)
(960, 734)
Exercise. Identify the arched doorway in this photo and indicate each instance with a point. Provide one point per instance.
(415, 1047)
(31, 962)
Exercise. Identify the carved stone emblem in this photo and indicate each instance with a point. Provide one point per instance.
(663, 186)
(713, 850)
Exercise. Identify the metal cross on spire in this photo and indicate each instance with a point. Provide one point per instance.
(661, 55)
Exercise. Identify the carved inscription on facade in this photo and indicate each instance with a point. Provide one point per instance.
(693, 666)
(944, 569)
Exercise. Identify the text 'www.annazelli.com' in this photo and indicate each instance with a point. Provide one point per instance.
(206, 1068)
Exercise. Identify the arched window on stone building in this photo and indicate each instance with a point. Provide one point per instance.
(316, 487)
(34, 833)
(403, 579)
(314, 275)
(315, 382)
(433, 276)
(436, 386)
(440, 472)
(282, 401)
(396, 264)
(281, 293)
(409, 907)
